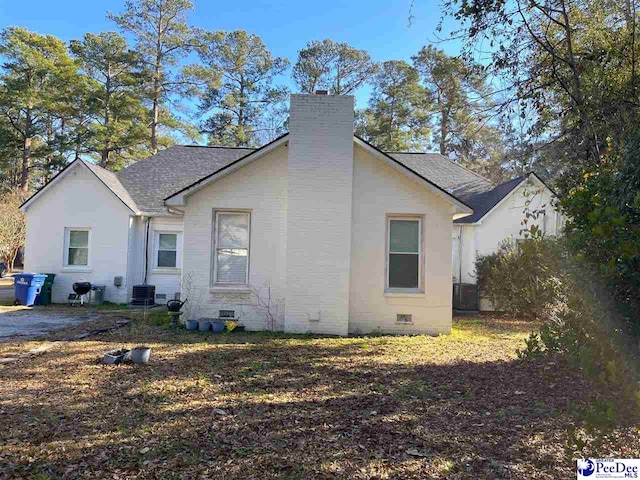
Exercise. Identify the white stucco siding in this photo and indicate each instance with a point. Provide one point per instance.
(79, 200)
(379, 190)
(505, 221)
(261, 188)
(166, 280)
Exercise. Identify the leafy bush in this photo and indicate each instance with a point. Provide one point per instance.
(603, 229)
(518, 277)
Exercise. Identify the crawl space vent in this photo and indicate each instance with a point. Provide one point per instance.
(404, 318)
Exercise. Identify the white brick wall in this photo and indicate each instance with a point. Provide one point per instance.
(260, 187)
(319, 195)
(79, 200)
(167, 283)
(379, 190)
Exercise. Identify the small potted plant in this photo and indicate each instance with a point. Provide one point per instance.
(140, 328)
(119, 355)
(140, 354)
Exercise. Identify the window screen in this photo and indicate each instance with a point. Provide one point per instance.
(232, 248)
(167, 250)
(78, 243)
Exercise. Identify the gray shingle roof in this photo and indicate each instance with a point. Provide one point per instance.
(144, 185)
(455, 179)
(475, 190)
(483, 202)
(151, 180)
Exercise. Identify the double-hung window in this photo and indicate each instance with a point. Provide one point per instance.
(404, 253)
(231, 254)
(167, 251)
(76, 247)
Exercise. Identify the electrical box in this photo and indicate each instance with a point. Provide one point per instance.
(117, 281)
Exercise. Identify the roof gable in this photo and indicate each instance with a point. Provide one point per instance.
(462, 208)
(485, 203)
(151, 180)
(178, 197)
(105, 177)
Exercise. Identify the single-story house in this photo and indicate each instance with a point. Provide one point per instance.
(498, 215)
(317, 231)
(346, 237)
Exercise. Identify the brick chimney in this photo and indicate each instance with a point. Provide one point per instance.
(319, 193)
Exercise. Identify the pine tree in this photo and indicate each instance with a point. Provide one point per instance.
(397, 118)
(238, 91)
(162, 38)
(335, 66)
(117, 131)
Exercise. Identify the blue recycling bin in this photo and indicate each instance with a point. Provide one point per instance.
(28, 287)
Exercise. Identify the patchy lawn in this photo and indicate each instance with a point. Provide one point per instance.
(274, 406)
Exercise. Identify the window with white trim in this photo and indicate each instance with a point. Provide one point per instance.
(167, 249)
(231, 252)
(76, 247)
(404, 253)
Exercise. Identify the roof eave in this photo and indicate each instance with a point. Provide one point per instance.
(505, 197)
(61, 175)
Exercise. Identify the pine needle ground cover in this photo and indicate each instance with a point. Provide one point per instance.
(266, 406)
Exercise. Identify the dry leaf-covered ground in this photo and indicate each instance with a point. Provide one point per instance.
(262, 406)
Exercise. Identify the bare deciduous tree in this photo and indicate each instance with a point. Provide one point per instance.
(12, 227)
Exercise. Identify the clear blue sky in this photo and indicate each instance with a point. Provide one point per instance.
(378, 26)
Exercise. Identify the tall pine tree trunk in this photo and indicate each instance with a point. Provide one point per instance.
(444, 131)
(104, 156)
(26, 153)
(155, 108)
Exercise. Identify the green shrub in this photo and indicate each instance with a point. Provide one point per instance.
(518, 278)
(603, 229)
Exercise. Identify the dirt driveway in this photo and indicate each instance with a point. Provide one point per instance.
(24, 322)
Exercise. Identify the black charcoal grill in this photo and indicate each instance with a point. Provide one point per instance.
(81, 289)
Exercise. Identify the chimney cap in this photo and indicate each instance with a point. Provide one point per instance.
(322, 92)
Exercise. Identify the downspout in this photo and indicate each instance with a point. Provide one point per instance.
(146, 252)
(460, 254)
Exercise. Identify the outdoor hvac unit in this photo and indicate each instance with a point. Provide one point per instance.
(143, 295)
(465, 297)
